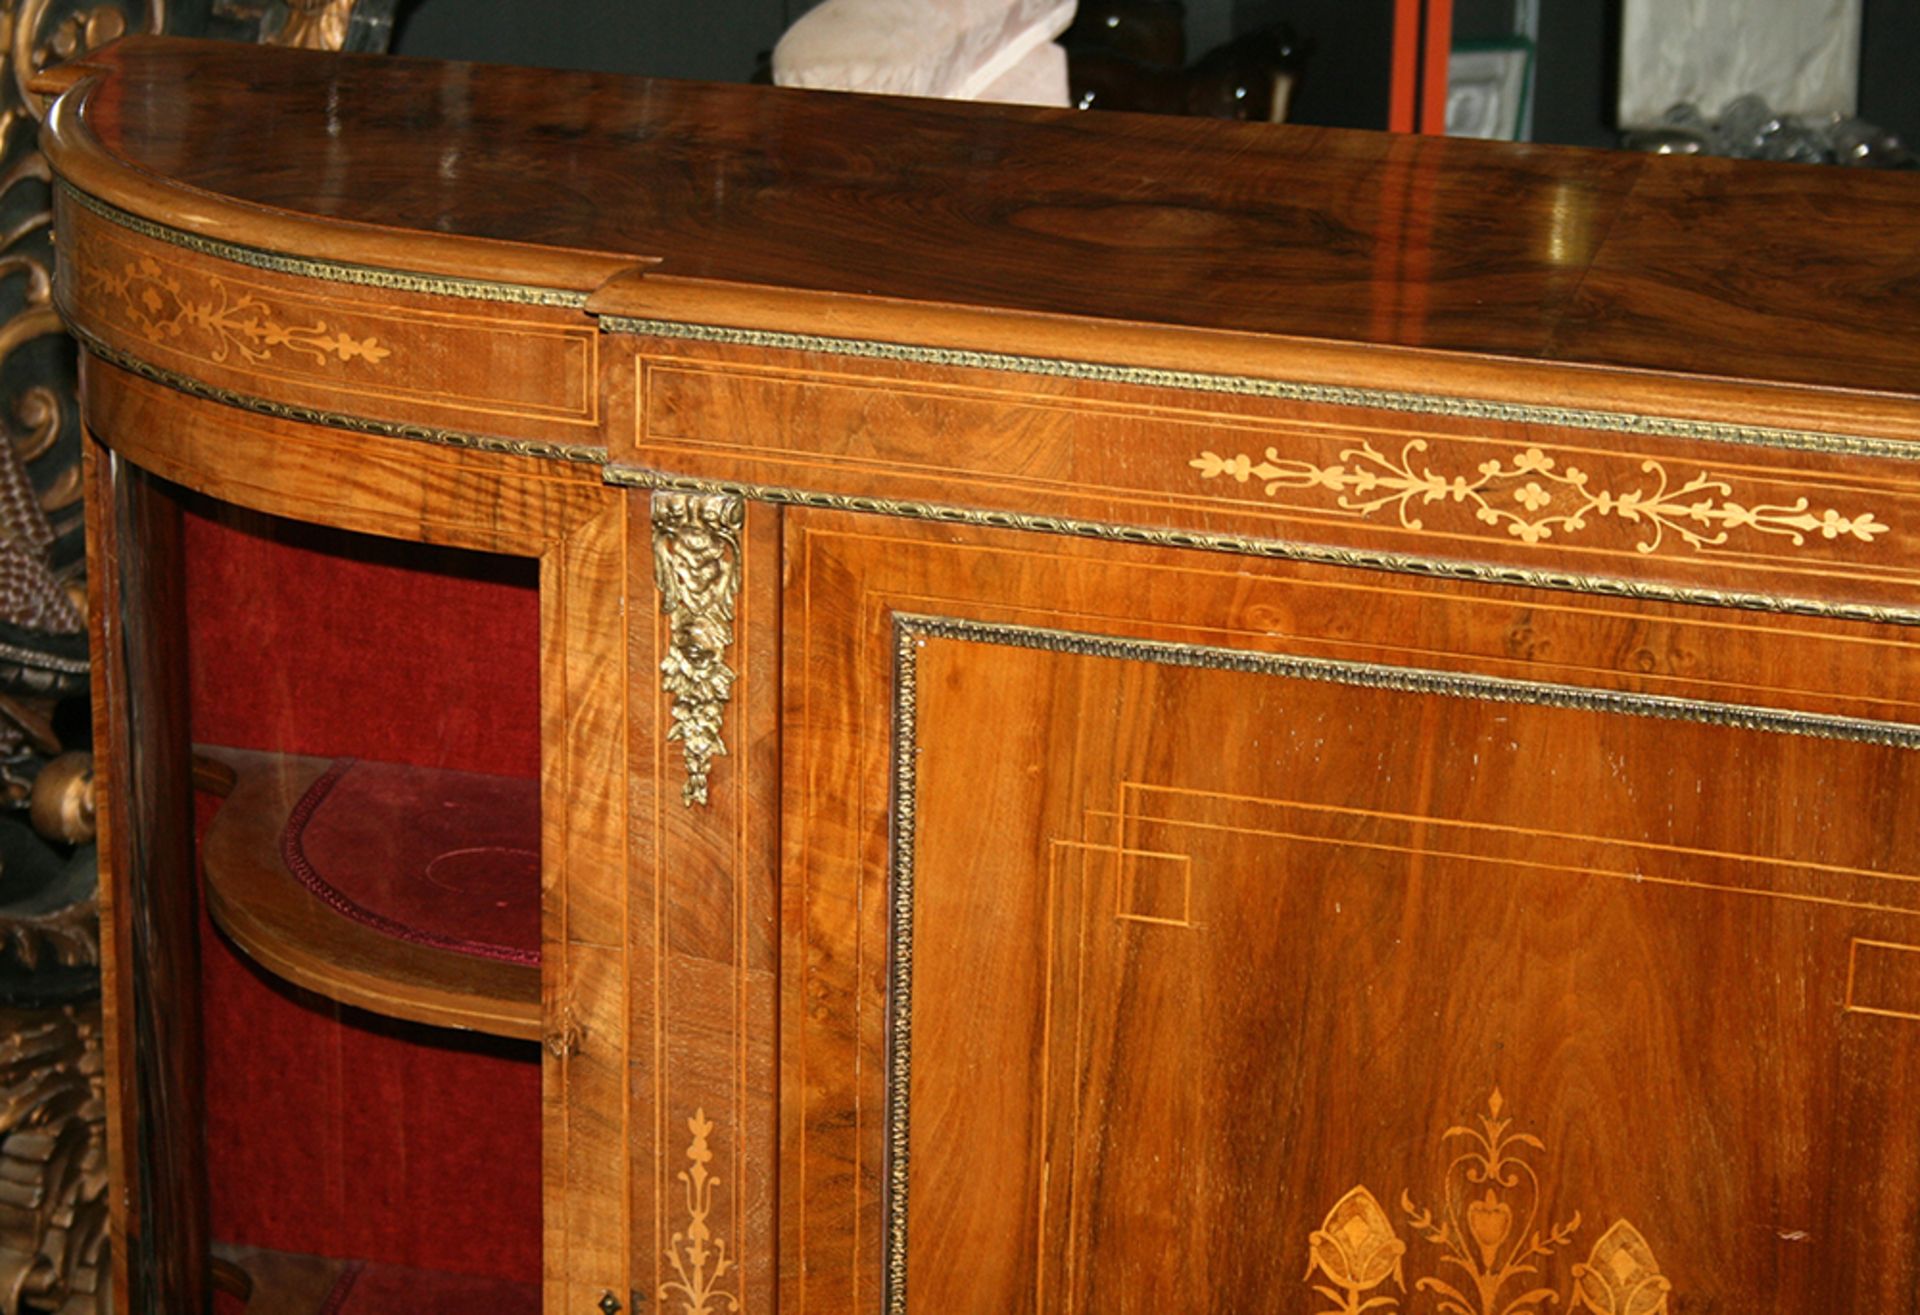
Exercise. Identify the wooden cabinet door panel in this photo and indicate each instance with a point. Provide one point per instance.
(1140, 960)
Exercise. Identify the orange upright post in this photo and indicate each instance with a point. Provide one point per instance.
(1422, 41)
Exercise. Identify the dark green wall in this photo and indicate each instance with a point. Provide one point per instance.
(1345, 82)
(1347, 77)
(713, 40)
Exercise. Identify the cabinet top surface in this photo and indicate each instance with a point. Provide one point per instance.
(1780, 274)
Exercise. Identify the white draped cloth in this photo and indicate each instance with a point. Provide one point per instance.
(960, 49)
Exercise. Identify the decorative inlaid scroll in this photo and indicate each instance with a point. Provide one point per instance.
(211, 319)
(1534, 496)
(1493, 1238)
(315, 25)
(699, 1259)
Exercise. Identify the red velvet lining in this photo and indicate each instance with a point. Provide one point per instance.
(447, 859)
(380, 1290)
(330, 1131)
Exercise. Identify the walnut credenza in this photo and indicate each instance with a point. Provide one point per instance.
(1133, 715)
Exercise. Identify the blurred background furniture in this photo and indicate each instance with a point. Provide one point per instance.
(1374, 63)
(995, 50)
(1132, 55)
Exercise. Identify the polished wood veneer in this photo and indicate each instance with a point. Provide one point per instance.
(1312, 866)
(1136, 715)
(355, 956)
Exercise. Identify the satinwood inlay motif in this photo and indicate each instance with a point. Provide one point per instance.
(696, 562)
(1533, 497)
(699, 1259)
(1493, 1236)
(1357, 1250)
(218, 322)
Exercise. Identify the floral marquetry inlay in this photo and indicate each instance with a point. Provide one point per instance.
(1492, 1241)
(1533, 497)
(699, 1259)
(216, 321)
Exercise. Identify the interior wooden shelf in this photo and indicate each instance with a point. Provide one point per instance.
(285, 1283)
(355, 881)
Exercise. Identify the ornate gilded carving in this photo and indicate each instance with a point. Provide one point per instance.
(41, 426)
(162, 309)
(313, 25)
(692, 1252)
(1546, 497)
(39, 33)
(53, 1215)
(53, 1156)
(1493, 1236)
(357, 25)
(696, 565)
(68, 936)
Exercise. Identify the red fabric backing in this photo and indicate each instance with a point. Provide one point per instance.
(378, 1291)
(365, 1289)
(331, 1131)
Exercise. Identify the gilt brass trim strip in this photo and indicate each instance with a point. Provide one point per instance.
(1422, 680)
(911, 631)
(1439, 568)
(1468, 408)
(365, 276)
(571, 452)
(906, 706)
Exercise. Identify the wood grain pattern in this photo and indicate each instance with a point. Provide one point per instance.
(1551, 499)
(116, 930)
(1080, 920)
(1417, 243)
(379, 353)
(561, 513)
(584, 955)
(710, 873)
(390, 487)
(1256, 940)
(158, 1215)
